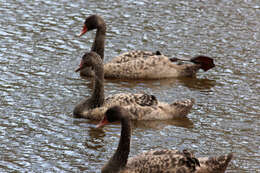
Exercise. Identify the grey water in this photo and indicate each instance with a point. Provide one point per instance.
(39, 51)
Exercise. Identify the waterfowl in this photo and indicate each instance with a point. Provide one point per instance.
(139, 64)
(141, 106)
(163, 161)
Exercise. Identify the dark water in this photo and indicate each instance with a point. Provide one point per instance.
(39, 51)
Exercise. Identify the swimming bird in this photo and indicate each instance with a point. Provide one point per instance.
(141, 105)
(140, 64)
(163, 161)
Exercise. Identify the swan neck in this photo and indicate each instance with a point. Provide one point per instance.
(99, 42)
(97, 97)
(119, 159)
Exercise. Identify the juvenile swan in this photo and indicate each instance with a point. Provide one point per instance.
(163, 161)
(141, 106)
(139, 64)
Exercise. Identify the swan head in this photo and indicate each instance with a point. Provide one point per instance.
(113, 114)
(89, 59)
(92, 22)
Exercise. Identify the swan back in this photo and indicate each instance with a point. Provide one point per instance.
(133, 55)
(163, 161)
(151, 67)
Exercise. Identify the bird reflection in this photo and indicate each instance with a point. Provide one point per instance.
(197, 83)
(190, 82)
(96, 138)
(158, 125)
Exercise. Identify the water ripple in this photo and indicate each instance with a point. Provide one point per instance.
(39, 51)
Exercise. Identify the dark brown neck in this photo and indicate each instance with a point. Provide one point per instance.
(124, 142)
(119, 159)
(99, 42)
(97, 97)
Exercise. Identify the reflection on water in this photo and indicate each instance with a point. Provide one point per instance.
(158, 125)
(39, 51)
(197, 83)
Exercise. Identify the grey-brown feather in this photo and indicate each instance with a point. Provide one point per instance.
(151, 67)
(132, 55)
(128, 98)
(163, 161)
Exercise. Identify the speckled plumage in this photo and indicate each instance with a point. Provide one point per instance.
(159, 111)
(135, 64)
(162, 161)
(151, 67)
(141, 106)
(156, 161)
(174, 161)
(132, 55)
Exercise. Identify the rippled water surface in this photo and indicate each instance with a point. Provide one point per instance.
(39, 51)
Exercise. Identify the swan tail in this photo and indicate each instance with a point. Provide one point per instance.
(182, 108)
(158, 52)
(214, 164)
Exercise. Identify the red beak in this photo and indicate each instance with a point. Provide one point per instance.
(83, 31)
(80, 66)
(102, 122)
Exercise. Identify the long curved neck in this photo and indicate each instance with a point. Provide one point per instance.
(99, 42)
(119, 159)
(97, 97)
(123, 148)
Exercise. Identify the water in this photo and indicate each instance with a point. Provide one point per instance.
(39, 51)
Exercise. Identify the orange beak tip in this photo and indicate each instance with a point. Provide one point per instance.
(78, 69)
(80, 34)
(83, 31)
(102, 123)
(98, 126)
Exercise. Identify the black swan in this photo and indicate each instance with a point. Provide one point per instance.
(140, 64)
(141, 106)
(163, 161)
